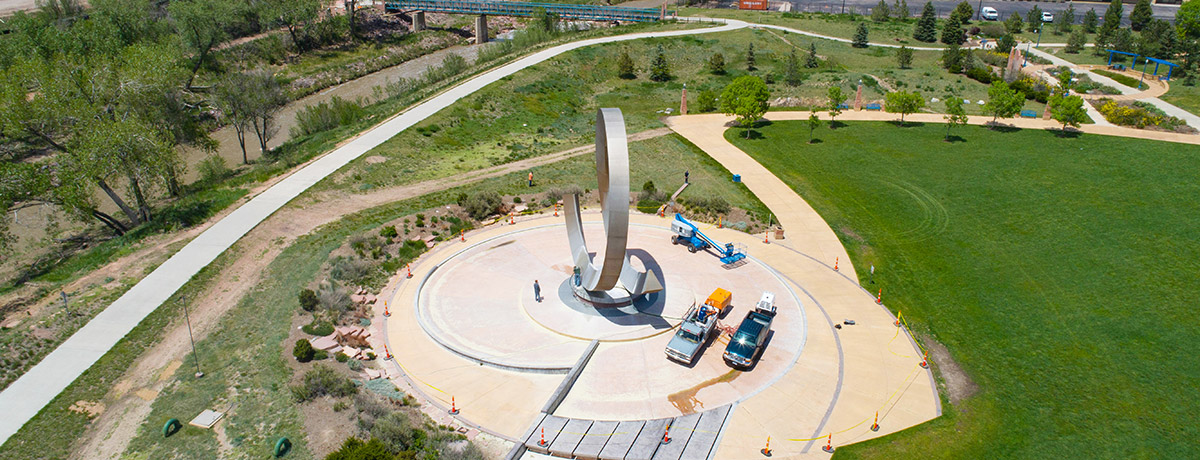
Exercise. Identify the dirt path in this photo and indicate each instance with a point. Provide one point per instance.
(129, 402)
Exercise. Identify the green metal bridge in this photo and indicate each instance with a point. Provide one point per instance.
(505, 8)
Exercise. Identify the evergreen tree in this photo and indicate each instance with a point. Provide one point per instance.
(1006, 43)
(1014, 25)
(1090, 18)
(963, 12)
(1075, 42)
(750, 58)
(1122, 40)
(1112, 17)
(952, 58)
(926, 29)
(791, 70)
(860, 36)
(716, 64)
(811, 61)
(1064, 21)
(659, 70)
(952, 32)
(900, 9)
(625, 66)
(1033, 19)
(1141, 15)
(904, 57)
(881, 12)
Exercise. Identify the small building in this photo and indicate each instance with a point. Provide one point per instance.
(752, 5)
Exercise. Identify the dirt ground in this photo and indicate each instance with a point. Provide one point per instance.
(128, 404)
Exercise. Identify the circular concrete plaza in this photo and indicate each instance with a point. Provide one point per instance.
(479, 303)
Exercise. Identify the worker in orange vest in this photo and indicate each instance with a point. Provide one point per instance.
(531, 178)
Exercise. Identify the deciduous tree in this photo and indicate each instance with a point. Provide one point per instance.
(747, 99)
(904, 103)
(813, 123)
(1002, 101)
(955, 114)
(904, 57)
(201, 27)
(716, 64)
(1068, 110)
(836, 98)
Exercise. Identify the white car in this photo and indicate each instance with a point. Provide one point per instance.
(989, 13)
(1047, 16)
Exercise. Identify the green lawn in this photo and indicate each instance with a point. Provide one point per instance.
(1060, 273)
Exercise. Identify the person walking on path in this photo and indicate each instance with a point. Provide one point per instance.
(685, 176)
(531, 178)
(537, 291)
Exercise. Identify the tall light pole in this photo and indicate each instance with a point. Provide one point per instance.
(188, 319)
(843, 6)
(979, 11)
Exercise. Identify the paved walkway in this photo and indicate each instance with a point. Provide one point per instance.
(27, 396)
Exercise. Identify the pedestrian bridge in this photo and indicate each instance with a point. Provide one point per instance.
(505, 8)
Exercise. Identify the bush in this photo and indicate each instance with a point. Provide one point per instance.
(710, 205)
(318, 328)
(349, 268)
(341, 357)
(707, 101)
(303, 351)
(333, 298)
(557, 193)
(648, 206)
(357, 449)
(326, 116)
(354, 365)
(389, 232)
(213, 169)
(320, 381)
(1139, 115)
(981, 74)
(308, 300)
(481, 205)
(991, 30)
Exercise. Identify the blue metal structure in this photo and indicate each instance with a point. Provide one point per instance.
(1170, 65)
(686, 233)
(504, 8)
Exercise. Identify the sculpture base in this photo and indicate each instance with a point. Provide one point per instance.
(612, 298)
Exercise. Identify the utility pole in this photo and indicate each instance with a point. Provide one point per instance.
(843, 6)
(979, 11)
(188, 319)
(68, 307)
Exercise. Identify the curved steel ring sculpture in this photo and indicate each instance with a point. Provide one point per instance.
(612, 172)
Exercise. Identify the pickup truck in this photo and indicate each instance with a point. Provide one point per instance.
(697, 327)
(747, 342)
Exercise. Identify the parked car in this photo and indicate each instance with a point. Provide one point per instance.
(1047, 16)
(751, 336)
(989, 13)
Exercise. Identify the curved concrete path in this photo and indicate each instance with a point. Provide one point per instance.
(27, 396)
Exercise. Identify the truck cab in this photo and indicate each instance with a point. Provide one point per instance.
(750, 338)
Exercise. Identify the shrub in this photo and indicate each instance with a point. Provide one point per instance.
(710, 205)
(326, 116)
(333, 297)
(1139, 115)
(480, 205)
(707, 101)
(213, 169)
(557, 193)
(354, 365)
(349, 268)
(991, 30)
(981, 74)
(322, 380)
(389, 232)
(318, 328)
(648, 206)
(341, 357)
(649, 187)
(303, 351)
(308, 300)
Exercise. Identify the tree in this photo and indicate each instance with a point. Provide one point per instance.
(1068, 110)
(267, 98)
(1064, 21)
(811, 60)
(1158, 39)
(292, 15)
(1187, 20)
(900, 9)
(1112, 17)
(625, 67)
(750, 57)
(955, 114)
(904, 103)
(1014, 25)
(881, 12)
(1122, 40)
(904, 57)
(860, 36)
(791, 70)
(953, 33)
(1003, 101)
(303, 351)
(1033, 19)
(813, 123)
(1075, 42)
(1141, 15)
(1006, 43)
(1090, 19)
(716, 64)
(963, 12)
(747, 99)
(836, 98)
(926, 28)
(707, 101)
(351, 7)
(952, 58)
(201, 27)
(235, 104)
(659, 70)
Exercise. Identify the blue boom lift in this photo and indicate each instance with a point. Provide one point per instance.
(687, 234)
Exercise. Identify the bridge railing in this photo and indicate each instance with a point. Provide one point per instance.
(504, 8)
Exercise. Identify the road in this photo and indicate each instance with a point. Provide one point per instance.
(1006, 8)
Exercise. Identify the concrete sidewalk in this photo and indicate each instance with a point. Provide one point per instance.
(27, 396)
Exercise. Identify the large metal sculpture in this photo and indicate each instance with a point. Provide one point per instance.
(614, 281)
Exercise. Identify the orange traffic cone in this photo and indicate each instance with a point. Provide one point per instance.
(462, 235)
(767, 450)
(386, 313)
(835, 263)
(719, 219)
(453, 407)
(387, 354)
(543, 442)
(667, 435)
(897, 313)
(875, 426)
(879, 298)
(409, 267)
(767, 237)
(555, 209)
(511, 220)
(829, 444)
(925, 360)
